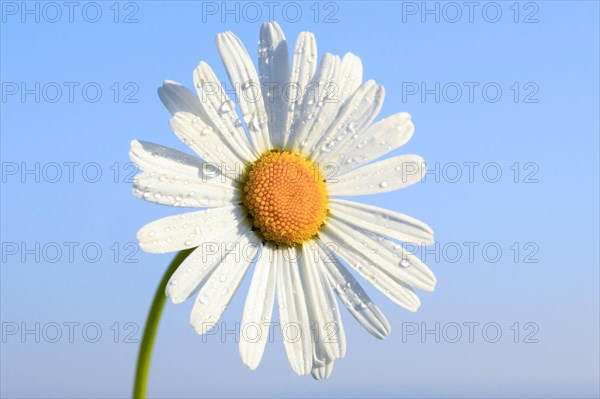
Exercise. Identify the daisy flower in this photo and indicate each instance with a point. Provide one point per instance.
(270, 187)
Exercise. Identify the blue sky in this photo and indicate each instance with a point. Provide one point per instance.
(505, 100)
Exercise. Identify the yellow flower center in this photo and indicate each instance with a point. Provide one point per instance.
(286, 197)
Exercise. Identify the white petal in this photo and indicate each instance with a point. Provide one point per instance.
(338, 335)
(419, 275)
(244, 79)
(379, 139)
(274, 73)
(293, 312)
(379, 220)
(379, 177)
(351, 76)
(319, 105)
(192, 192)
(387, 256)
(177, 98)
(321, 371)
(353, 296)
(197, 268)
(220, 111)
(351, 251)
(217, 292)
(206, 142)
(151, 157)
(319, 115)
(304, 65)
(188, 230)
(174, 178)
(353, 119)
(326, 327)
(258, 309)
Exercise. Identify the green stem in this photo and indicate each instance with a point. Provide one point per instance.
(158, 303)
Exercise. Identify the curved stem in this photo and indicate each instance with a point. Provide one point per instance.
(158, 303)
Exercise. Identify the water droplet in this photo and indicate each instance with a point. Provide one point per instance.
(206, 130)
(173, 282)
(222, 278)
(187, 243)
(225, 107)
(405, 263)
(203, 299)
(384, 184)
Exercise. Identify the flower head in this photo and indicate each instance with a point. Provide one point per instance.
(268, 185)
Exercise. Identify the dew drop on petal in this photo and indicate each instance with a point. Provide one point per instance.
(206, 130)
(203, 299)
(225, 108)
(205, 200)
